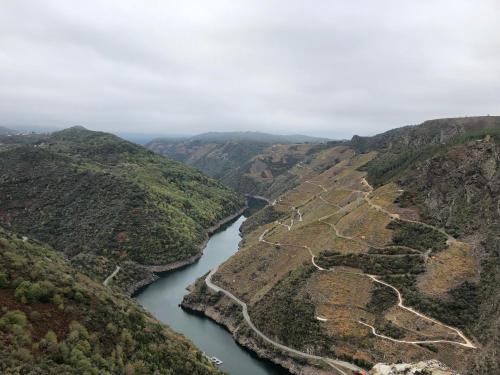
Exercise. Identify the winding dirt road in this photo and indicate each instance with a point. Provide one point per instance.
(333, 362)
(110, 277)
(466, 342)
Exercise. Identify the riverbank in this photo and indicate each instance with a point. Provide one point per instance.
(158, 270)
(228, 315)
(162, 299)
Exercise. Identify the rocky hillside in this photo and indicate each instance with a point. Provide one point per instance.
(432, 132)
(251, 163)
(55, 320)
(107, 203)
(425, 367)
(385, 250)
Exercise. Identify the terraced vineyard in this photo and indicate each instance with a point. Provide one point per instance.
(337, 270)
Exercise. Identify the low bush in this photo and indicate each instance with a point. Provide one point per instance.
(417, 236)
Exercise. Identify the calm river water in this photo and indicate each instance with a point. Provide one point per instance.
(162, 299)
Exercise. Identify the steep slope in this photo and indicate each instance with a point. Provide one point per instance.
(262, 166)
(459, 191)
(54, 320)
(375, 257)
(106, 202)
(432, 132)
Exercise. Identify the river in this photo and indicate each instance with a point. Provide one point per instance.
(162, 299)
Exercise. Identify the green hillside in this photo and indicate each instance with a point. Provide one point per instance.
(91, 194)
(257, 164)
(54, 320)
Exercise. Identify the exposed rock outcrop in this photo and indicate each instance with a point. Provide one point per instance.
(431, 367)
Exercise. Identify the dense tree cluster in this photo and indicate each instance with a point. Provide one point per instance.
(54, 320)
(92, 193)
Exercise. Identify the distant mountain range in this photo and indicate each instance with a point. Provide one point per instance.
(7, 131)
(245, 161)
(26, 129)
(248, 136)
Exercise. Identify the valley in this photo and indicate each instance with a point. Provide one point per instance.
(162, 298)
(86, 220)
(107, 203)
(249, 188)
(337, 269)
(375, 250)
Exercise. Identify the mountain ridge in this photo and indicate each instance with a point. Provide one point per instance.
(245, 136)
(104, 201)
(426, 229)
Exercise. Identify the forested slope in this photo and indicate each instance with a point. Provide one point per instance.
(54, 320)
(251, 163)
(106, 202)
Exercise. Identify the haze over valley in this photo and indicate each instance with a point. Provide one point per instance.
(250, 188)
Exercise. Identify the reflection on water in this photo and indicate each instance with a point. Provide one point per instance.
(162, 299)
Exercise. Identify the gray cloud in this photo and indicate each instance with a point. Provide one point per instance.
(322, 67)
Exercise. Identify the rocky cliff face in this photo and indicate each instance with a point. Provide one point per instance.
(432, 132)
(420, 368)
(459, 190)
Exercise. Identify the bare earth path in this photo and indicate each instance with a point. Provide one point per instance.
(333, 362)
(467, 343)
(110, 277)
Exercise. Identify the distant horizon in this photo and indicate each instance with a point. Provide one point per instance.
(327, 69)
(158, 134)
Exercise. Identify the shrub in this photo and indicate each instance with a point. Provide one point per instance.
(382, 298)
(3, 279)
(49, 342)
(11, 318)
(58, 301)
(417, 236)
(34, 292)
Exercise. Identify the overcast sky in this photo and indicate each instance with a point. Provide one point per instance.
(332, 68)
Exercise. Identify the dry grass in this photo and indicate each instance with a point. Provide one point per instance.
(342, 175)
(386, 195)
(300, 195)
(326, 157)
(313, 235)
(448, 269)
(367, 225)
(341, 298)
(255, 269)
(340, 197)
(418, 328)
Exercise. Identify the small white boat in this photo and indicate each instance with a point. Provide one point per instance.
(215, 360)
